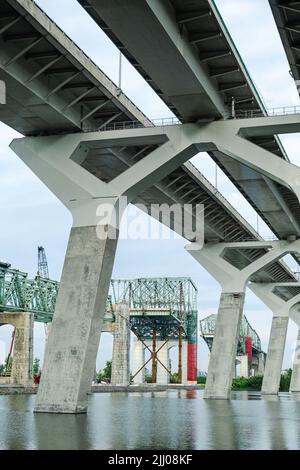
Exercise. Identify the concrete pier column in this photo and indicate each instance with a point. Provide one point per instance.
(244, 367)
(138, 361)
(47, 327)
(22, 361)
(261, 364)
(162, 375)
(184, 362)
(295, 379)
(217, 258)
(74, 339)
(272, 374)
(21, 372)
(120, 372)
(223, 354)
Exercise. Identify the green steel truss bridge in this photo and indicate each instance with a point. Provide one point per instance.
(168, 305)
(207, 331)
(18, 293)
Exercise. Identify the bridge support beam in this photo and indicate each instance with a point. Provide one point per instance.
(184, 362)
(74, 337)
(97, 207)
(138, 362)
(271, 380)
(21, 372)
(295, 379)
(223, 354)
(281, 311)
(215, 258)
(244, 366)
(120, 373)
(162, 374)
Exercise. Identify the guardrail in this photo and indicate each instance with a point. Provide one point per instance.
(255, 113)
(173, 121)
(118, 126)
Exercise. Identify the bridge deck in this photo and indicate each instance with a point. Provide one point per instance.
(190, 60)
(53, 87)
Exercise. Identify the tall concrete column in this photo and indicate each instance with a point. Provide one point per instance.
(295, 379)
(162, 375)
(184, 362)
(261, 364)
(272, 374)
(223, 354)
(217, 259)
(21, 372)
(244, 367)
(47, 327)
(74, 338)
(120, 372)
(138, 361)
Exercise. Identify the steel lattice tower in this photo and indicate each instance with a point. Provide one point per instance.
(43, 270)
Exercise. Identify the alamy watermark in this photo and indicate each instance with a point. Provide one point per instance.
(184, 220)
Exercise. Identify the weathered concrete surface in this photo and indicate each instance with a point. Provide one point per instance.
(120, 372)
(162, 375)
(17, 390)
(271, 380)
(295, 380)
(184, 362)
(244, 366)
(74, 337)
(138, 359)
(223, 354)
(21, 372)
(261, 364)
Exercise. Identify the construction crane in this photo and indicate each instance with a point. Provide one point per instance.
(42, 263)
(43, 272)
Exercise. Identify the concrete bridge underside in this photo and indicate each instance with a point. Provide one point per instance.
(62, 103)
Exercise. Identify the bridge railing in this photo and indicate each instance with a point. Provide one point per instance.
(173, 121)
(119, 126)
(272, 112)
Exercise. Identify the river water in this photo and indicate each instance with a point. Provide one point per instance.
(155, 420)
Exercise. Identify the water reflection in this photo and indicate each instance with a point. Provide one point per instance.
(61, 432)
(221, 430)
(174, 419)
(16, 422)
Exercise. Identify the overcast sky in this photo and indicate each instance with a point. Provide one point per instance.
(30, 215)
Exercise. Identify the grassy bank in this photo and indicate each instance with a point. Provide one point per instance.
(255, 383)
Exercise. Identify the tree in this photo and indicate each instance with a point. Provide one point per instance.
(285, 380)
(105, 374)
(107, 370)
(36, 366)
